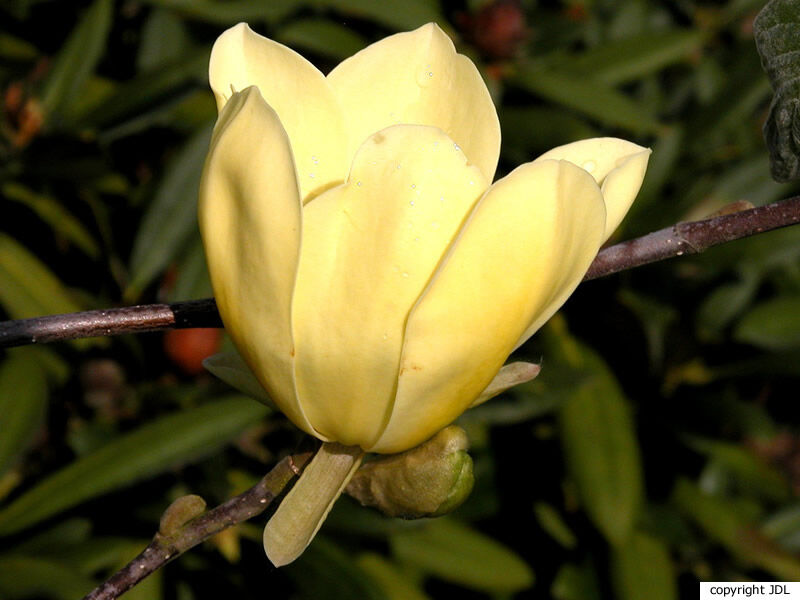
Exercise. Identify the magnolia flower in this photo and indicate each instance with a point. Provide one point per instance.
(372, 277)
(368, 271)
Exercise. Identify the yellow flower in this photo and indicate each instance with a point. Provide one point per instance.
(368, 271)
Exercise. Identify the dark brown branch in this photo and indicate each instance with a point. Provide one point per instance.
(165, 548)
(693, 237)
(682, 238)
(110, 321)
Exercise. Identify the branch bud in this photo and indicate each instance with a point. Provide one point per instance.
(429, 480)
(179, 513)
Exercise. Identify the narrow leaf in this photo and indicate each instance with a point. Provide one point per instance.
(397, 14)
(773, 324)
(641, 569)
(456, 553)
(324, 37)
(23, 405)
(587, 96)
(31, 577)
(602, 455)
(170, 219)
(79, 56)
(628, 59)
(27, 287)
(52, 212)
(230, 12)
(151, 449)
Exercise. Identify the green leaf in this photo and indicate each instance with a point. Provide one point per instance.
(135, 97)
(773, 324)
(549, 520)
(458, 554)
(77, 59)
(231, 368)
(170, 219)
(553, 127)
(628, 59)
(574, 582)
(151, 449)
(723, 304)
(602, 453)
(230, 12)
(29, 577)
(752, 473)
(777, 34)
(655, 318)
(586, 96)
(323, 37)
(57, 541)
(23, 405)
(164, 40)
(27, 287)
(723, 522)
(14, 48)
(395, 584)
(784, 527)
(326, 571)
(55, 215)
(192, 282)
(641, 569)
(397, 14)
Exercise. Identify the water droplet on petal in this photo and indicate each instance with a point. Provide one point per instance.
(412, 203)
(425, 76)
(457, 147)
(405, 273)
(358, 183)
(413, 186)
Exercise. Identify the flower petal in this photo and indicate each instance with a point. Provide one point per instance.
(418, 78)
(250, 219)
(617, 165)
(533, 234)
(369, 249)
(297, 91)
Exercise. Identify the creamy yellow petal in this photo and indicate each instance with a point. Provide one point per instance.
(369, 249)
(534, 233)
(418, 78)
(297, 91)
(617, 165)
(250, 219)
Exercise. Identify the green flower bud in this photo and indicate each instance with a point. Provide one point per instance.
(429, 480)
(180, 512)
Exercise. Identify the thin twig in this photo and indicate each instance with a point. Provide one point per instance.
(165, 548)
(110, 321)
(693, 237)
(679, 239)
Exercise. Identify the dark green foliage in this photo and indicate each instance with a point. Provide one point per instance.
(660, 442)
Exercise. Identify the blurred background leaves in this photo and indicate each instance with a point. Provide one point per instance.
(658, 446)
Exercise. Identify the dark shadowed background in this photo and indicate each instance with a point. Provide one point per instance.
(658, 447)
